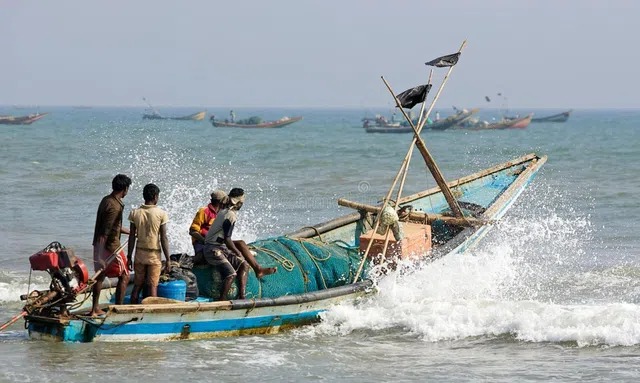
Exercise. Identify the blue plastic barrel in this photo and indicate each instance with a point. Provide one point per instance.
(173, 290)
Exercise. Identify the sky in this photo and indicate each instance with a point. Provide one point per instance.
(318, 53)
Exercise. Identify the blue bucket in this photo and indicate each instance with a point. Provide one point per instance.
(173, 290)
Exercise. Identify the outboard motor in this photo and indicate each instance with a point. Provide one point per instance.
(68, 273)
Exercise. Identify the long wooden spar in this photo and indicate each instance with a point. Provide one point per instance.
(405, 163)
(416, 215)
(428, 159)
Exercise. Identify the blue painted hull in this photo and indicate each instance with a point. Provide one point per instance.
(196, 320)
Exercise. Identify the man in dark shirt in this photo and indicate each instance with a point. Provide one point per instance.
(106, 241)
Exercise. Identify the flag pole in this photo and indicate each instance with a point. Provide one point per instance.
(405, 162)
(406, 167)
(430, 162)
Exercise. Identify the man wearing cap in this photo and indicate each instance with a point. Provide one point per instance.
(203, 220)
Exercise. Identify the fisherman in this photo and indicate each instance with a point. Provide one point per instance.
(437, 116)
(233, 116)
(203, 220)
(232, 257)
(148, 235)
(106, 240)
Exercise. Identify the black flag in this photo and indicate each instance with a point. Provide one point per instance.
(448, 60)
(411, 97)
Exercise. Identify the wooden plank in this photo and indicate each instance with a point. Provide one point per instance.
(416, 215)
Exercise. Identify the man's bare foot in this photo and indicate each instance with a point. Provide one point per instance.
(96, 313)
(266, 271)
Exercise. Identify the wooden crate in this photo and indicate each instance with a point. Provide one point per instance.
(416, 242)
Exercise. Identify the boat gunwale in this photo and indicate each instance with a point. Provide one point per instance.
(321, 228)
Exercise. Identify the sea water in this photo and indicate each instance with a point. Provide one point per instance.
(552, 293)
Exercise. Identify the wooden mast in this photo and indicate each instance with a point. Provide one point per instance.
(405, 163)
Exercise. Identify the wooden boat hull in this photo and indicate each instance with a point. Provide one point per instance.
(21, 120)
(487, 194)
(560, 117)
(270, 124)
(177, 321)
(198, 116)
(518, 123)
(388, 129)
(451, 121)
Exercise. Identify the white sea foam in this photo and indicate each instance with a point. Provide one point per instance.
(522, 283)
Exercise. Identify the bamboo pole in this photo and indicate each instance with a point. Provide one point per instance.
(405, 161)
(416, 215)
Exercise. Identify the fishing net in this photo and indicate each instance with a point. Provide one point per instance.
(304, 265)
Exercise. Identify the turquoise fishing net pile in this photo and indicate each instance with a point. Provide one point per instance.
(304, 265)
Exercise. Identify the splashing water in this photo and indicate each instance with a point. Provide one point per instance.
(527, 280)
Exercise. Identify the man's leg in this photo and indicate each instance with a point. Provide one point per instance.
(226, 286)
(242, 280)
(138, 281)
(246, 253)
(121, 288)
(153, 278)
(97, 288)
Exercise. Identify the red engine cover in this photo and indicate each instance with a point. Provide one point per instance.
(44, 261)
(81, 272)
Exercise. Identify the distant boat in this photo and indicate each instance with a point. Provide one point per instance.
(452, 121)
(560, 117)
(21, 120)
(379, 124)
(198, 116)
(388, 129)
(507, 123)
(155, 115)
(382, 126)
(254, 122)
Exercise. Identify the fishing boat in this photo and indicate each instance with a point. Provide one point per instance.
(380, 124)
(153, 114)
(505, 123)
(198, 116)
(254, 122)
(560, 117)
(452, 121)
(21, 120)
(319, 266)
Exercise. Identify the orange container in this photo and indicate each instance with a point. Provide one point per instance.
(415, 244)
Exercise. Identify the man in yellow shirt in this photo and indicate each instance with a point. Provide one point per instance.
(148, 236)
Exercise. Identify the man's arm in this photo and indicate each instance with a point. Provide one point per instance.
(227, 229)
(164, 242)
(196, 226)
(132, 244)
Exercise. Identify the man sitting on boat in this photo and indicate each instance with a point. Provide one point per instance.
(200, 227)
(202, 222)
(231, 257)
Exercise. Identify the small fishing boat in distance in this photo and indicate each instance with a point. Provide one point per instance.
(21, 120)
(560, 117)
(155, 115)
(254, 122)
(507, 123)
(198, 116)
